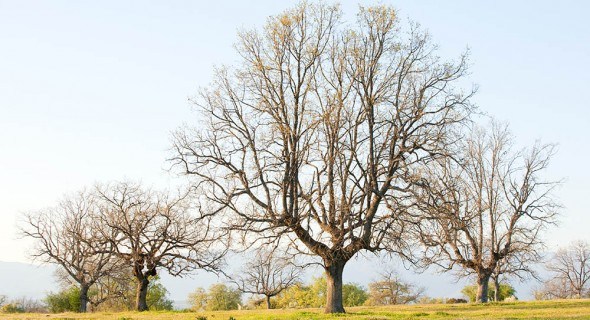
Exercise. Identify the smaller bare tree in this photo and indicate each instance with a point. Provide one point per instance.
(267, 274)
(391, 289)
(571, 269)
(64, 235)
(105, 290)
(554, 288)
(519, 266)
(485, 206)
(152, 231)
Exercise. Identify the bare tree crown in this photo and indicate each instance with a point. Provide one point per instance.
(570, 268)
(65, 235)
(313, 134)
(156, 230)
(484, 210)
(268, 273)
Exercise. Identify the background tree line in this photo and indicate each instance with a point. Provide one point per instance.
(389, 289)
(68, 299)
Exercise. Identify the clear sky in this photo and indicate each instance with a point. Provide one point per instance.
(90, 90)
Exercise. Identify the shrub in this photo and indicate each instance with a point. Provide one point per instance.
(506, 291)
(456, 300)
(12, 308)
(218, 297)
(353, 295)
(65, 300)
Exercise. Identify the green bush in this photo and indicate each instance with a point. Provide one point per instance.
(314, 295)
(353, 295)
(65, 300)
(303, 296)
(218, 297)
(506, 291)
(456, 300)
(157, 296)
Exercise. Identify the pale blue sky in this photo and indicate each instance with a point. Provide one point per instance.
(89, 90)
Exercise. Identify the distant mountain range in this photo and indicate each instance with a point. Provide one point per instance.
(26, 280)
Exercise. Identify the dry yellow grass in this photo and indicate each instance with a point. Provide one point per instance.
(562, 309)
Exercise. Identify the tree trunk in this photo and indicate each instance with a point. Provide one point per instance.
(482, 288)
(83, 297)
(334, 302)
(268, 302)
(496, 290)
(141, 298)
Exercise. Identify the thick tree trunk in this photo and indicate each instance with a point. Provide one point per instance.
(334, 302)
(83, 297)
(141, 298)
(496, 290)
(268, 302)
(482, 288)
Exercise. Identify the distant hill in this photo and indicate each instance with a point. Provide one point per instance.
(23, 279)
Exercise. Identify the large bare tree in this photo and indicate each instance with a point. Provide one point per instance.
(313, 135)
(485, 207)
(151, 231)
(65, 235)
(267, 274)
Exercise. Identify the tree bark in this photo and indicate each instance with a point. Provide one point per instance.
(334, 302)
(268, 302)
(482, 288)
(141, 298)
(83, 297)
(496, 290)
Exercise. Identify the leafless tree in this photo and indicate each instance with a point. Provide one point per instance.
(64, 235)
(152, 231)
(390, 289)
(110, 289)
(519, 265)
(486, 206)
(554, 288)
(267, 274)
(571, 271)
(312, 137)
(106, 289)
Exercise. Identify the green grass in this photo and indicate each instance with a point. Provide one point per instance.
(561, 309)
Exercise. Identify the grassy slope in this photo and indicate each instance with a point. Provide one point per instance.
(564, 309)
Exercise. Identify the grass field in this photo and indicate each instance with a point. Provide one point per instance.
(563, 309)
